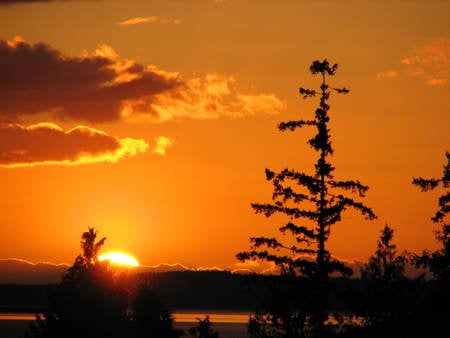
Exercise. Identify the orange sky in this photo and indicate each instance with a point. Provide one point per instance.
(154, 120)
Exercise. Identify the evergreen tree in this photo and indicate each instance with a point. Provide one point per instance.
(439, 261)
(385, 264)
(93, 301)
(313, 203)
(386, 290)
(148, 315)
(88, 302)
(203, 329)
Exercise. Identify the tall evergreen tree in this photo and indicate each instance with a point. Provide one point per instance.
(313, 203)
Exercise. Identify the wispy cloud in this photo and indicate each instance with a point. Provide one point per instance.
(162, 143)
(148, 19)
(388, 74)
(48, 144)
(209, 97)
(431, 62)
(256, 266)
(437, 82)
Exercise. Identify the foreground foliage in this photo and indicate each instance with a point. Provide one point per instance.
(93, 301)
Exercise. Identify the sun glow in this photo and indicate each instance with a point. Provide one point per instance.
(119, 258)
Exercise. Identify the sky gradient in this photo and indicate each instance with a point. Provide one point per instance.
(153, 121)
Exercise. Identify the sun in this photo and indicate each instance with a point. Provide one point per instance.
(119, 258)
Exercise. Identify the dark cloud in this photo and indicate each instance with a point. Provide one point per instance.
(102, 87)
(46, 143)
(37, 78)
(11, 2)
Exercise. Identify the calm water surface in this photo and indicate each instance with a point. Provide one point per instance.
(180, 317)
(230, 324)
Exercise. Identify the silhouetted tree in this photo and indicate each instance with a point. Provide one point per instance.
(385, 285)
(88, 302)
(88, 261)
(93, 301)
(436, 308)
(398, 307)
(203, 329)
(439, 261)
(385, 264)
(317, 200)
(149, 317)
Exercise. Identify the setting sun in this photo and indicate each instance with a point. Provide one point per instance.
(119, 258)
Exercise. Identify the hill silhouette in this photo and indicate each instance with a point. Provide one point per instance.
(178, 290)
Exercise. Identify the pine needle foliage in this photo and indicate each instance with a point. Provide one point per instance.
(438, 261)
(312, 203)
(385, 265)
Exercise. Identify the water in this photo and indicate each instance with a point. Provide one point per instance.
(214, 316)
(230, 324)
(17, 316)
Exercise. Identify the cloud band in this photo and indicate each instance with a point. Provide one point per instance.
(47, 143)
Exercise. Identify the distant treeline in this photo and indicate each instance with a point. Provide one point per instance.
(177, 289)
(196, 290)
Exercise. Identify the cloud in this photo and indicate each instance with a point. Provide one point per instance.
(210, 97)
(162, 144)
(437, 82)
(47, 143)
(255, 266)
(101, 86)
(431, 62)
(36, 78)
(162, 267)
(148, 19)
(11, 2)
(388, 74)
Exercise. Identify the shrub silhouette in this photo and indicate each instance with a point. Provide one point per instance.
(203, 329)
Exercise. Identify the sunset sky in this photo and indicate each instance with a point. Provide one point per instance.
(153, 121)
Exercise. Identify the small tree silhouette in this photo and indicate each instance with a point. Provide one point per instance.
(319, 204)
(203, 329)
(385, 264)
(385, 285)
(88, 260)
